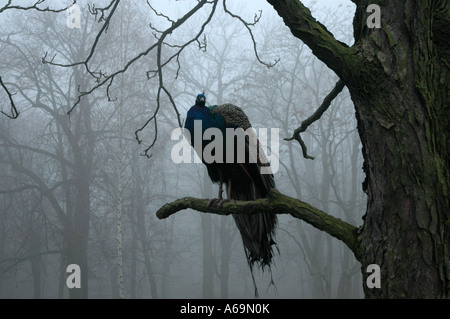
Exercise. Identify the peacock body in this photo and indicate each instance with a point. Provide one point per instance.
(243, 181)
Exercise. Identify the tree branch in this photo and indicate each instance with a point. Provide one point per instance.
(14, 112)
(315, 117)
(335, 54)
(247, 26)
(160, 65)
(35, 6)
(98, 76)
(276, 203)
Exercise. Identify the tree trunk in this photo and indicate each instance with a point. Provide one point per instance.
(398, 78)
(120, 186)
(133, 265)
(226, 240)
(403, 113)
(404, 230)
(82, 146)
(208, 270)
(78, 239)
(346, 287)
(35, 262)
(145, 242)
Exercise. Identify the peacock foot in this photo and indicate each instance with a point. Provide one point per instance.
(217, 202)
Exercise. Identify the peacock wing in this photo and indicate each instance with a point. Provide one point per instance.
(236, 117)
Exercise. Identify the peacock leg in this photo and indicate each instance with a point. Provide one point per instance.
(220, 188)
(217, 201)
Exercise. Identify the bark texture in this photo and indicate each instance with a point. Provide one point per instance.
(402, 110)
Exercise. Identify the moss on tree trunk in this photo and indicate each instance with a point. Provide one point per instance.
(401, 102)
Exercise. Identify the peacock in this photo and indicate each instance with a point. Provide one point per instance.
(243, 179)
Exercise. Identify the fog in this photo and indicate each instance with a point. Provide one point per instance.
(84, 188)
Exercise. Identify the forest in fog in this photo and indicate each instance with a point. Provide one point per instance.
(94, 176)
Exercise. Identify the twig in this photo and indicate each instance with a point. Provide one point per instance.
(14, 112)
(315, 117)
(247, 26)
(8, 6)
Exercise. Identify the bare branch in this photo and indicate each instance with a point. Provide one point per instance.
(14, 112)
(247, 26)
(159, 14)
(96, 11)
(85, 63)
(315, 117)
(160, 65)
(337, 55)
(35, 6)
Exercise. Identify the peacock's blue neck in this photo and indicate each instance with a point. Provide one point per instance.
(208, 119)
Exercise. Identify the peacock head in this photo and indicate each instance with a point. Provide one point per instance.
(200, 100)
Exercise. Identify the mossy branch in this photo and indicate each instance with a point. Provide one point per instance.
(276, 203)
(337, 55)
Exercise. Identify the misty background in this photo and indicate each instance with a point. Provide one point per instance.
(55, 166)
